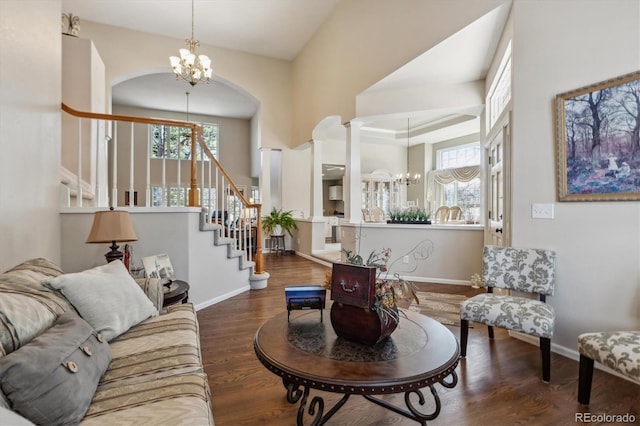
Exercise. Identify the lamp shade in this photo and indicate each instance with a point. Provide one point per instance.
(111, 225)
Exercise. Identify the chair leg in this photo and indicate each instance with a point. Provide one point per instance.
(490, 329)
(585, 378)
(464, 335)
(545, 349)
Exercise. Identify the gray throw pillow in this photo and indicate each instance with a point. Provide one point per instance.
(107, 297)
(52, 379)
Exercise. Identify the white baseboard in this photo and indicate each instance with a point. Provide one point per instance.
(219, 299)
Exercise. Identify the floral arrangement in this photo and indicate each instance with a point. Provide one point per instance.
(389, 290)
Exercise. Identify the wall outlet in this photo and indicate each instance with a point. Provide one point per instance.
(405, 259)
(542, 211)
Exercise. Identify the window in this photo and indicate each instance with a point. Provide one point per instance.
(173, 143)
(499, 93)
(459, 156)
(458, 174)
(171, 196)
(174, 196)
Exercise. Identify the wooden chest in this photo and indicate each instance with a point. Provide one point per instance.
(353, 285)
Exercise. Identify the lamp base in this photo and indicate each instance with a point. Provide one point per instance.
(114, 254)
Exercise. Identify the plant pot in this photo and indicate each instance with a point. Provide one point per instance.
(362, 325)
(277, 231)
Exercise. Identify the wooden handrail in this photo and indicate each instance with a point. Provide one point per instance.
(246, 204)
(196, 137)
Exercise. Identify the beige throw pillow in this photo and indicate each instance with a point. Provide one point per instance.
(107, 297)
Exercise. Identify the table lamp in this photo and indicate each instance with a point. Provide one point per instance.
(111, 226)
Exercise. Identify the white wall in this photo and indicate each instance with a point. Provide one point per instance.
(30, 64)
(559, 46)
(174, 231)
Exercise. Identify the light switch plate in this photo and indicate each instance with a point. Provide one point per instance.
(542, 211)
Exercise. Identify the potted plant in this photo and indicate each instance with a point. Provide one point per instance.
(278, 221)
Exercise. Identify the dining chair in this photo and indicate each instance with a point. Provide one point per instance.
(442, 214)
(455, 213)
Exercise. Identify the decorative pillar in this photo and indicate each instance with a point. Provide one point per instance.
(352, 184)
(316, 179)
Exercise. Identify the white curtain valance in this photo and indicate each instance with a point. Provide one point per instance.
(461, 174)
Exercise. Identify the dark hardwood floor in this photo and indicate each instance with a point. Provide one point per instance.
(499, 382)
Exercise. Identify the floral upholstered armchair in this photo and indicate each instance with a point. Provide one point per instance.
(523, 270)
(618, 350)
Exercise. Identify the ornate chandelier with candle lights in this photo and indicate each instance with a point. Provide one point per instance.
(191, 67)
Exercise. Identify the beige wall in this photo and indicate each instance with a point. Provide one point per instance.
(560, 46)
(362, 42)
(30, 63)
(129, 54)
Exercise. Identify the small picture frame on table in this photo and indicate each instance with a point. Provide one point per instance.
(159, 266)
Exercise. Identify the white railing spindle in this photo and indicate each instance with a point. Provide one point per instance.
(131, 167)
(147, 190)
(114, 190)
(79, 177)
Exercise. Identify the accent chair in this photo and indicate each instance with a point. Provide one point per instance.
(523, 270)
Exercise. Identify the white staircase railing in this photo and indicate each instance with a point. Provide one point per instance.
(162, 182)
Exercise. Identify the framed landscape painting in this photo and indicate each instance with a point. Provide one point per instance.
(598, 141)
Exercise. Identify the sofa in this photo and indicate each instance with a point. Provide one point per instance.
(97, 348)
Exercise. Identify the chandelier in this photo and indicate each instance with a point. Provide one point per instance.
(408, 179)
(191, 67)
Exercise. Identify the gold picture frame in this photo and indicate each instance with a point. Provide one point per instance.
(598, 141)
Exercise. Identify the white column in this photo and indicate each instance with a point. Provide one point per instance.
(352, 185)
(265, 180)
(316, 179)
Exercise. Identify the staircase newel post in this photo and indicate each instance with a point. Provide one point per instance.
(194, 193)
(258, 258)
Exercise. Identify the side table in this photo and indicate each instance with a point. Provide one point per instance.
(176, 292)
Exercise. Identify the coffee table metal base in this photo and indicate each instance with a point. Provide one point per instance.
(307, 354)
(316, 407)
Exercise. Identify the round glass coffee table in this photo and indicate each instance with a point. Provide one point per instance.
(307, 354)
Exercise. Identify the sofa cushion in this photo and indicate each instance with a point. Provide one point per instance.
(154, 290)
(27, 308)
(107, 297)
(511, 312)
(52, 379)
(175, 400)
(161, 346)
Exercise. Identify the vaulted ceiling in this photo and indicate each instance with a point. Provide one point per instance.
(279, 29)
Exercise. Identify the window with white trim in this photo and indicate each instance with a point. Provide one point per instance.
(458, 173)
(173, 143)
(499, 93)
(173, 196)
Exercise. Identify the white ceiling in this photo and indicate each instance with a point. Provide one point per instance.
(274, 28)
(279, 29)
